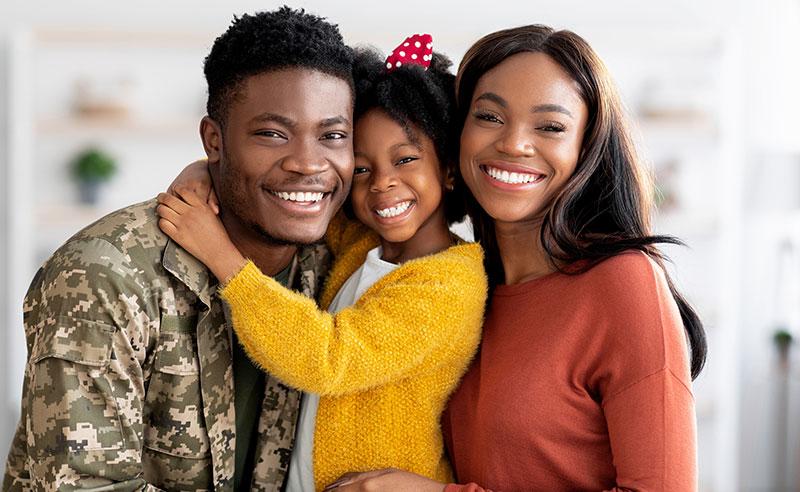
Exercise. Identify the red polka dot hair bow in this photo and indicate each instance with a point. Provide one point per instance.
(415, 50)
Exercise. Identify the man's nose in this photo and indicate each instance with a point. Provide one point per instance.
(306, 158)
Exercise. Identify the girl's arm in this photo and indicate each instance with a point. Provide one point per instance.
(195, 179)
(193, 224)
(426, 313)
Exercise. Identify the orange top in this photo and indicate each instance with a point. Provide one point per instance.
(582, 383)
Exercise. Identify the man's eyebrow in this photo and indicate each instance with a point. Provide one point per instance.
(336, 120)
(276, 118)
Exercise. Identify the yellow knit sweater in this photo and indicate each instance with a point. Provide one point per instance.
(385, 366)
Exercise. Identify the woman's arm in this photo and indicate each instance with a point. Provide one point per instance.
(429, 308)
(645, 386)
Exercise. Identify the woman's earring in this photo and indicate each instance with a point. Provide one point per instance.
(449, 182)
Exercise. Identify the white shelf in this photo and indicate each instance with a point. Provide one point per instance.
(74, 126)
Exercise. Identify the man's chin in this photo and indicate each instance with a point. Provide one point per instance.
(292, 234)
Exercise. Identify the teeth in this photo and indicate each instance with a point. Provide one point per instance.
(512, 178)
(299, 196)
(394, 211)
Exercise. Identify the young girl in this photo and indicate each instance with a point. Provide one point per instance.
(405, 305)
(583, 381)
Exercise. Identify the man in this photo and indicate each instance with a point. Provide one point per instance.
(134, 379)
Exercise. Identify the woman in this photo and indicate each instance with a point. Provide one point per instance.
(583, 378)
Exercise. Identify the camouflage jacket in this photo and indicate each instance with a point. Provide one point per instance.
(129, 379)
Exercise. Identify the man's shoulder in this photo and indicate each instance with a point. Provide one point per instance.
(134, 227)
(129, 235)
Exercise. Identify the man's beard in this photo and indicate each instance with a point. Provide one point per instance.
(230, 192)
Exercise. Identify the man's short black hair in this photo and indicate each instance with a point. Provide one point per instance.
(267, 41)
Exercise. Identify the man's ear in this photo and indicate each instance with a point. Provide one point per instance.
(211, 135)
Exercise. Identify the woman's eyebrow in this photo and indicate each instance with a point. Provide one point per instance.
(539, 108)
(491, 96)
(551, 108)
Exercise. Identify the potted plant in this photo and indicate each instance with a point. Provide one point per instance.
(92, 168)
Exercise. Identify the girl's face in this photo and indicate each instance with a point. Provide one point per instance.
(522, 137)
(398, 181)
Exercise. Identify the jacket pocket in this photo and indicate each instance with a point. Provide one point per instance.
(174, 421)
(71, 402)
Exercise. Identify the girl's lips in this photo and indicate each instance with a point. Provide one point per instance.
(396, 218)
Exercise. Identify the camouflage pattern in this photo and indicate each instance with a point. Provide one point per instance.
(129, 379)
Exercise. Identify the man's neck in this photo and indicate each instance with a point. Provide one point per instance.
(270, 257)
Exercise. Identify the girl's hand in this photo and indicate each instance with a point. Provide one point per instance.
(196, 179)
(386, 479)
(192, 223)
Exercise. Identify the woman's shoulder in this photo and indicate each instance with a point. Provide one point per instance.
(626, 273)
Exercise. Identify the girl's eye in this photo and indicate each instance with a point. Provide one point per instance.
(360, 170)
(406, 160)
(486, 116)
(334, 136)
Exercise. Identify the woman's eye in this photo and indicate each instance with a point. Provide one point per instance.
(360, 170)
(406, 160)
(492, 118)
(552, 127)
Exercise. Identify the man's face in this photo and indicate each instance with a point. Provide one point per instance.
(286, 160)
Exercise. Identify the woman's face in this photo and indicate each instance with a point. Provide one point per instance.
(522, 137)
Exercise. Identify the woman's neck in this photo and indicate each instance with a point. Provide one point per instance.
(521, 251)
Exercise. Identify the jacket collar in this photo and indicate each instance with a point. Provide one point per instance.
(189, 271)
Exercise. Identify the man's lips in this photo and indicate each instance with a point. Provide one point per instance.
(300, 196)
(300, 201)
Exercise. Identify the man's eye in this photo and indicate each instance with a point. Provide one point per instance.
(360, 170)
(269, 134)
(334, 136)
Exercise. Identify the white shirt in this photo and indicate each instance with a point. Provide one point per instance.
(301, 469)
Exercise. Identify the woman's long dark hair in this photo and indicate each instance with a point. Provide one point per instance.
(604, 208)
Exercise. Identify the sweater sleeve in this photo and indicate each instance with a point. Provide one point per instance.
(651, 427)
(646, 395)
(432, 304)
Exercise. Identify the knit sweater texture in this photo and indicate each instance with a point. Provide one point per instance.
(384, 367)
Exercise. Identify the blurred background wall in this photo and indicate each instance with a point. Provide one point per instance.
(712, 87)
